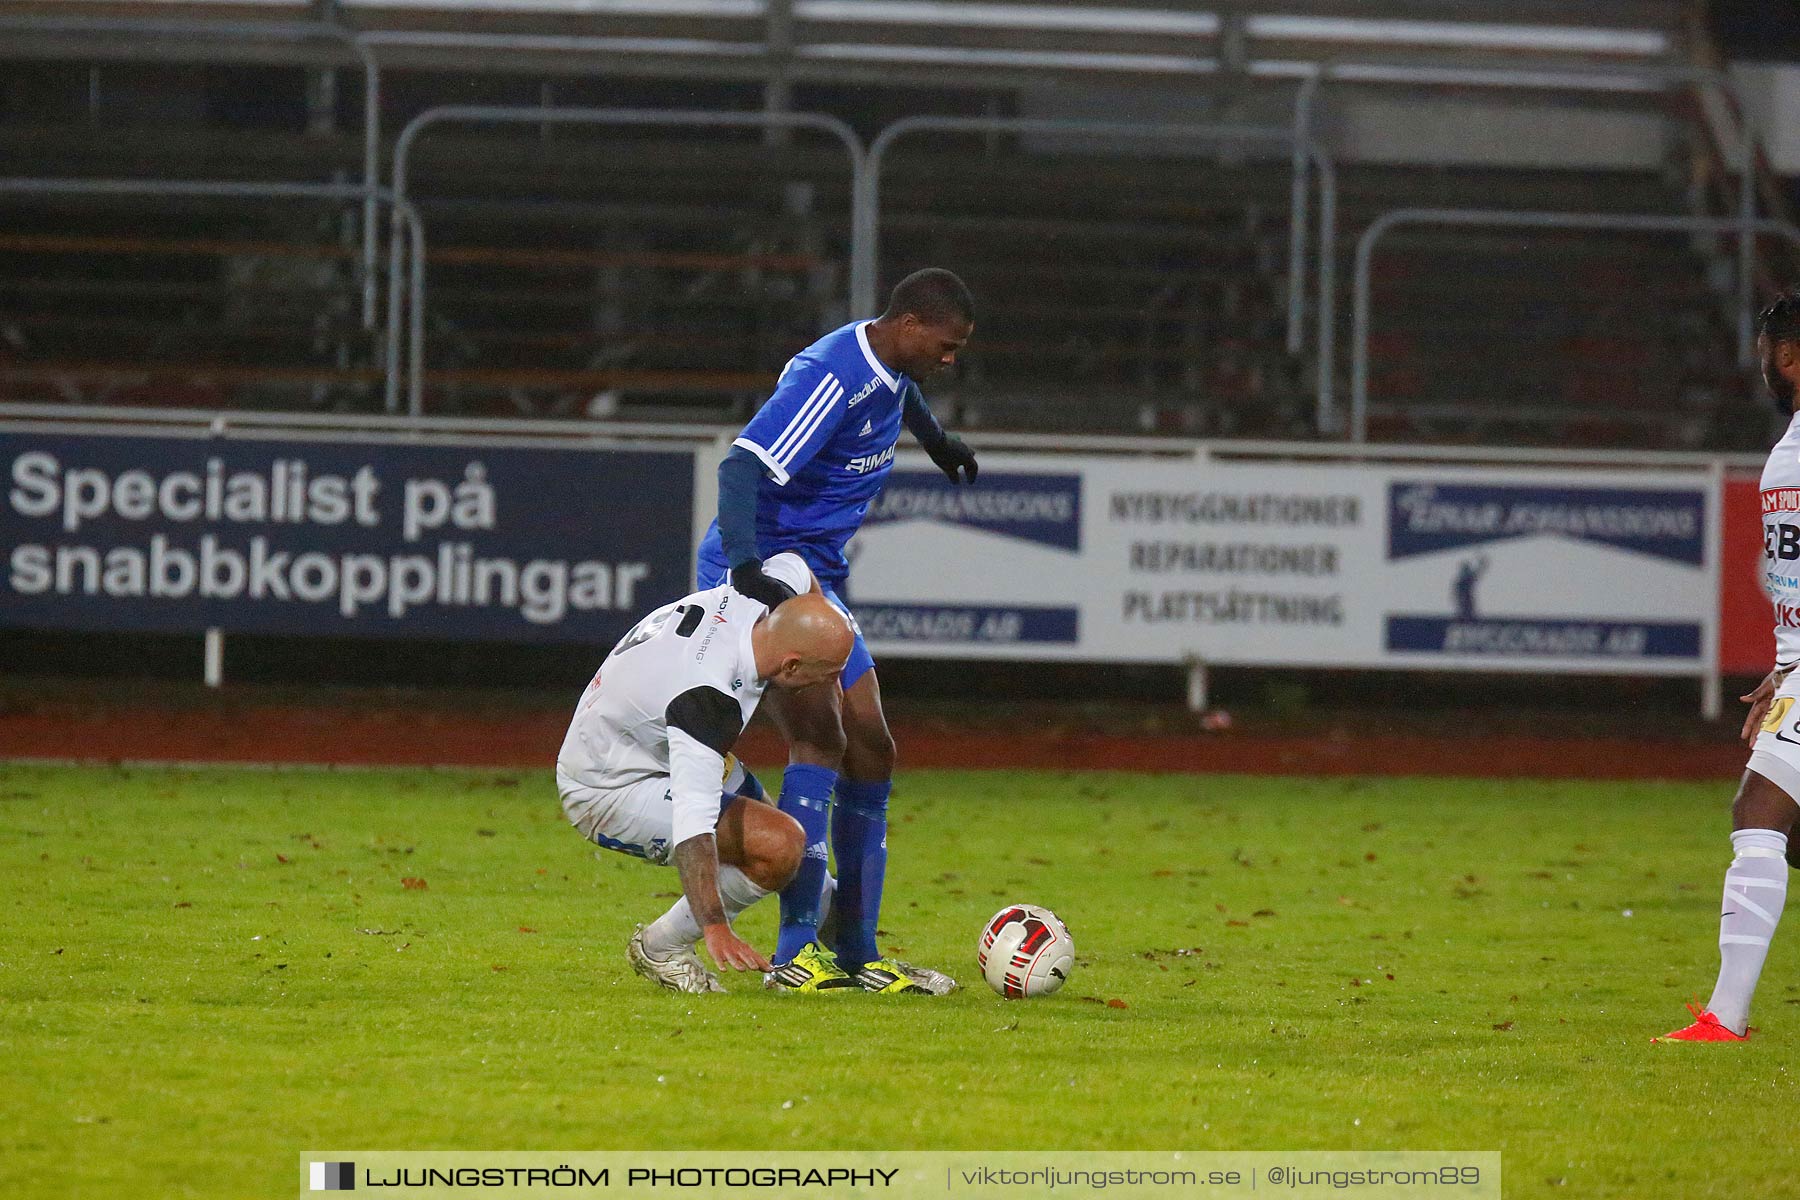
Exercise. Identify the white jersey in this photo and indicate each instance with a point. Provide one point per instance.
(672, 697)
(1781, 541)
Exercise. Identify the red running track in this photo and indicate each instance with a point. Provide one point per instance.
(391, 734)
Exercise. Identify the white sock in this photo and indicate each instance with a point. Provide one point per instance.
(676, 930)
(737, 891)
(1755, 890)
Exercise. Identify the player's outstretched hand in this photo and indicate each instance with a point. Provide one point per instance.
(953, 455)
(1759, 702)
(748, 578)
(732, 952)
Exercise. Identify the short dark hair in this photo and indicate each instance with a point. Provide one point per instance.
(1780, 322)
(935, 296)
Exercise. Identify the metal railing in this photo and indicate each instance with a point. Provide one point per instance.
(1508, 219)
(253, 31)
(484, 114)
(405, 216)
(868, 206)
(1560, 77)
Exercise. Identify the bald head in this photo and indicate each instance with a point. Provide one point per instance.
(802, 641)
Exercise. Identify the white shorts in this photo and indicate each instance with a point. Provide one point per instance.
(638, 819)
(1775, 755)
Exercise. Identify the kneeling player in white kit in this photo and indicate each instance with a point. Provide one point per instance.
(646, 767)
(1764, 812)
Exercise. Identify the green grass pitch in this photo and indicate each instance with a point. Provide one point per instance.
(204, 972)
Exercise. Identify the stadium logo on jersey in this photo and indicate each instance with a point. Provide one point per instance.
(871, 462)
(1424, 518)
(863, 393)
(1036, 508)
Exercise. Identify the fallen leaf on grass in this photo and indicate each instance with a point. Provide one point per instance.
(1115, 1002)
(1504, 1026)
(413, 884)
(529, 929)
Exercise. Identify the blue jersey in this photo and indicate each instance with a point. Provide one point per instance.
(826, 439)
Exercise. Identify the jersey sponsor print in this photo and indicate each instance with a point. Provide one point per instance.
(1781, 541)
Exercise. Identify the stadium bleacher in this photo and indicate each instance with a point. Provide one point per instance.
(658, 274)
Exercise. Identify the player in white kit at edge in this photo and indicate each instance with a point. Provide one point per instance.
(646, 768)
(1768, 799)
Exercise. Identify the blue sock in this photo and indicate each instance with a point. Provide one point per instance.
(859, 840)
(806, 797)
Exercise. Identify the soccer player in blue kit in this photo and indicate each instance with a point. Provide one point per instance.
(799, 478)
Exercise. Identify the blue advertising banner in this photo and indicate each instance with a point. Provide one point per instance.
(1553, 571)
(1429, 517)
(1012, 527)
(1030, 506)
(378, 538)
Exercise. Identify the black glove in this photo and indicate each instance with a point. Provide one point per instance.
(953, 454)
(748, 578)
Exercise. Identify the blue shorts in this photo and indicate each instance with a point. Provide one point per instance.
(710, 573)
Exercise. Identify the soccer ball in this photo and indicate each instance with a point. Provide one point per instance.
(1025, 951)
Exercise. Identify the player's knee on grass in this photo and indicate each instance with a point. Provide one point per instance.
(762, 842)
(1759, 804)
